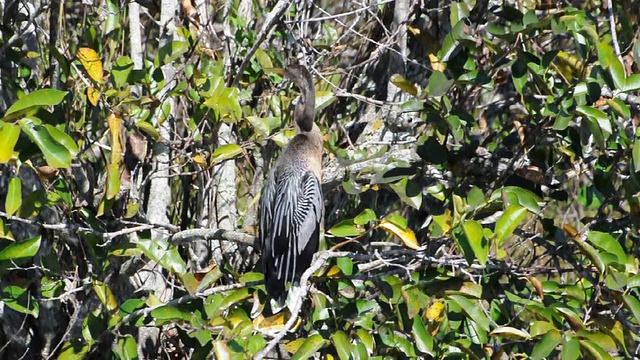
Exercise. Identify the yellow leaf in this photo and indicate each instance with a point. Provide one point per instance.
(200, 160)
(407, 236)
(404, 84)
(334, 272)
(436, 64)
(272, 323)
(92, 63)
(93, 95)
(293, 346)
(113, 175)
(435, 311)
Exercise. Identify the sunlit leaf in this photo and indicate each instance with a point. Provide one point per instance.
(406, 235)
(127, 348)
(474, 233)
(548, 343)
(341, 342)
(404, 84)
(346, 228)
(35, 100)
(21, 250)
(633, 305)
(226, 152)
(113, 174)
(9, 133)
(91, 62)
(472, 309)
(14, 196)
(511, 333)
(93, 95)
(312, 344)
(366, 216)
(509, 221)
(105, 295)
(57, 155)
(20, 299)
(423, 340)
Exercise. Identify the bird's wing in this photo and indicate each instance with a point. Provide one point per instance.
(266, 213)
(296, 219)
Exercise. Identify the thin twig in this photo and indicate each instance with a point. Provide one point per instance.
(269, 22)
(299, 296)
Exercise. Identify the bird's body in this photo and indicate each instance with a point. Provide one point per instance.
(291, 208)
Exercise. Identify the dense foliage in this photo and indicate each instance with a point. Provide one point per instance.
(481, 178)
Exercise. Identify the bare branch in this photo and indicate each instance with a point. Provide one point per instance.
(214, 234)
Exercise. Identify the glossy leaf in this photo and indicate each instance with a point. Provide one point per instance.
(14, 196)
(35, 100)
(20, 299)
(21, 250)
(341, 343)
(56, 154)
(474, 233)
(346, 228)
(509, 221)
(312, 344)
(472, 310)
(9, 133)
(407, 236)
(548, 343)
(226, 152)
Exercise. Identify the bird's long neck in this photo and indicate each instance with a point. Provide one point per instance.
(304, 111)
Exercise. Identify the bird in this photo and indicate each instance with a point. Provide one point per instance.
(292, 205)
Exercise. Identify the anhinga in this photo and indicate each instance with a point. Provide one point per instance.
(291, 208)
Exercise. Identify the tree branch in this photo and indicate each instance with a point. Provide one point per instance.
(214, 234)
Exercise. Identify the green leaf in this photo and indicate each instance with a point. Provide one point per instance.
(409, 192)
(548, 343)
(9, 133)
(619, 107)
(591, 253)
(35, 100)
(148, 129)
(474, 233)
(508, 332)
(598, 122)
(312, 344)
(14, 196)
(63, 139)
(633, 305)
(21, 250)
(74, 350)
(423, 339)
(608, 243)
(346, 228)
(226, 152)
(595, 350)
(366, 216)
(56, 155)
(632, 83)
(636, 154)
(509, 221)
(324, 99)
(263, 59)
(341, 342)
(439, 84)
(105, 295)
(127, 348)
(20, 300)
(571, 349)
(609, 60)
(472, 309)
